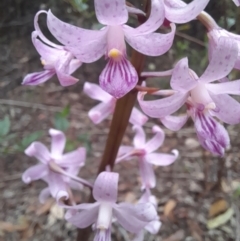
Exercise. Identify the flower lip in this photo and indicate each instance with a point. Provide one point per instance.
(104, 216)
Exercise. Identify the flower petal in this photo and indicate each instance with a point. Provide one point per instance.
(106, 187)
(84, 218)
(111, 12)
(153, 227)
(229, 87)
(124, 149)
(211, 134)
(139, 138)
(128, 219)
(101, 111)
(184, 14)
(44, 195)
(145, 212)
(95, 92)
(223, 60)
(73, 158)
(154, 21)
(58, 142)
(74, 65)
(39, 151)
(174, 123)
(118, 77)
(86, 45)
(237, 2)
(228, 109)
(147, 174)
(161, 159)
(156, 141)
(35, 173)
(38, 78)
(57, 186)
(153, 44)
(183, 79)
(162, 107)
(137, 117)
(47, 53)
(134, 10)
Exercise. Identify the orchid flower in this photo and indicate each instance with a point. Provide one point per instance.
(57, 169)
(101, 213)
(154, 226)
(101, 111)
(119, 76)
(55, 60)
(204, 100)
(144, 152)
(177, 11)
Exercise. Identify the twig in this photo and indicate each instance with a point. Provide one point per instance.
(190, 38)
(30, 105)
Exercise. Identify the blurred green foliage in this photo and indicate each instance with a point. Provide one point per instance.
(79, 5)
(60, 120)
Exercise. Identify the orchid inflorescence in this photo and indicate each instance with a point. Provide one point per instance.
(206, 100)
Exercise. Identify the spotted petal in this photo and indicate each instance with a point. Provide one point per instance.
(86, 45)
(184, 14)
(162, 107)
(222, 62)
(153, 44)
(154, 21)
(106, 187)
(111, 12)
(183, 79)
(228, 109)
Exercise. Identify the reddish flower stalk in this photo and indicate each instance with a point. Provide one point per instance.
(119, 124)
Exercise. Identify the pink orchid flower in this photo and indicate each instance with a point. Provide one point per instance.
(144, 152)
(55, 60)
(101, 213)
(119, 76)
(177, 11)
(203, 99)
(154, 226)
(101, 111)
(57, 169)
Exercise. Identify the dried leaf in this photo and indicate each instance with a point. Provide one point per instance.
(45, 207)
(221, 219)
(10, 227)
(217, 208)
(169, 206)
(195, 230)
(178, 236)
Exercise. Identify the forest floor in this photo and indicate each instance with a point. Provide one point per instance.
(195, 189)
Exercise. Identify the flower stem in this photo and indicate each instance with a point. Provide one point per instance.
(118, 126)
